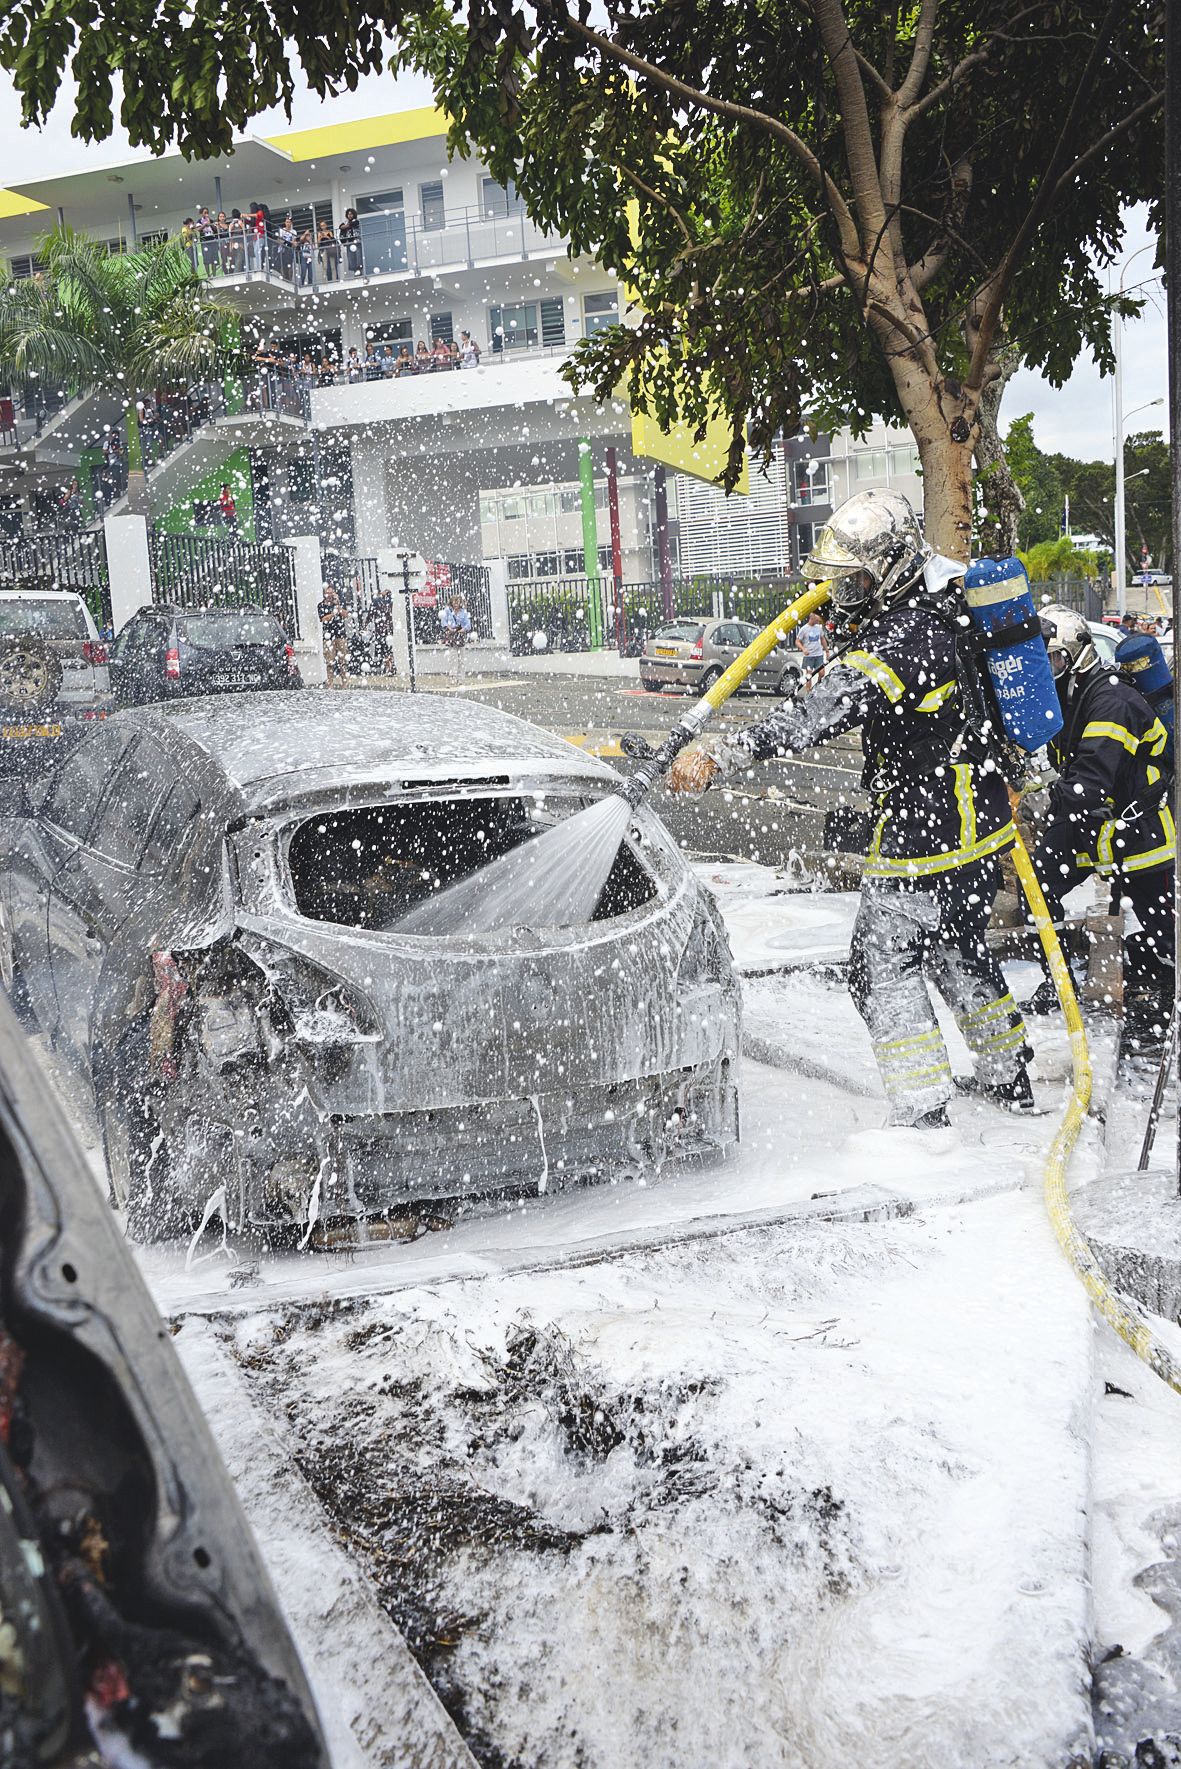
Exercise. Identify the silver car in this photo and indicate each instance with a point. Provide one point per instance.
(54, 679)
(694, 654)
(201, 908)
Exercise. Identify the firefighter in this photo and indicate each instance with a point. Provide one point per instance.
(1108, 812)
(942, 809)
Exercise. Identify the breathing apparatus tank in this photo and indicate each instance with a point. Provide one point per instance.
(1009, 640)
(1140, 660)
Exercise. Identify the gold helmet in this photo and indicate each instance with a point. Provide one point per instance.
(871, 550)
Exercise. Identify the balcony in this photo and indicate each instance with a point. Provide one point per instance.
(391, 249)
(506, 378)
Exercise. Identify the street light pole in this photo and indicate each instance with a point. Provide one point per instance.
(1173, 307)
(1117, 401)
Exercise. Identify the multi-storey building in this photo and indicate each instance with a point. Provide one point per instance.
(481, 463)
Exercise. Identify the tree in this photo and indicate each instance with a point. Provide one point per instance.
(125, 324)
(831, 208)
(1040, 484)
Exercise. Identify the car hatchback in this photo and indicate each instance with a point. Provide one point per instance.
(53, 676)
(168, 653)
(695, 653)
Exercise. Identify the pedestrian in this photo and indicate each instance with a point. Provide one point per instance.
(942, 809)
(328, 249)
(381, 621)
(469, 351)
(228, 509)
(334, 626)
(287, 243)
(455, 626)
(350, 238)
(1108, 813)
(812, 640)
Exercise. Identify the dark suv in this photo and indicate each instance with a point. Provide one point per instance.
(164, 653)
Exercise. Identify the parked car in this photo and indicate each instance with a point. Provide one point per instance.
(1161, 580)
(54, 679)
(201, 909)
(694, 653)
(163, 653)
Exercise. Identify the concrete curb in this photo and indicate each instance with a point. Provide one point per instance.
(1133, 1223)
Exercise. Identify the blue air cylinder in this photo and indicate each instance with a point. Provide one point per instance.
(1000, 604)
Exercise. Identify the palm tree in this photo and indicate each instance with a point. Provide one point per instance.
(124, 325)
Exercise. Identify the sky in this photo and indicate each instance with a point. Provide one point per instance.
(1074, 420)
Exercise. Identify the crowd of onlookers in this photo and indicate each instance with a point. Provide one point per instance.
(379, 362)
(221, 244)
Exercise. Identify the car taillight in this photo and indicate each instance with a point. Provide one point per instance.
(94, 651)
(172, 663)
(291, 666)
(697, 649)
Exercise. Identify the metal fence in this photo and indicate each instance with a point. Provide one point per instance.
(195, 573)
(587, 613)
(76, 562)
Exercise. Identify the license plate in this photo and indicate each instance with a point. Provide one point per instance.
(16, 733)
(665, 651)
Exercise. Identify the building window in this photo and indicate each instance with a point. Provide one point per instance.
(301, 482)
(430, 206)
(599, 311)
(441, 327)
(24, 267)
(488, 509)
(512, 510)
(869, 463)
(546, 565)
(390, 331)
(805, 533)
(541, 503)
(517, 566)
(903, 461)
(570, 499)
(515, 327)
(553, 323)
(497, 200)
(573, 561)
(605, 560)
(377, 202)
(809, 488)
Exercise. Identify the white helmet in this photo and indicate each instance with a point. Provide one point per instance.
(872, 549)
(1068, 640)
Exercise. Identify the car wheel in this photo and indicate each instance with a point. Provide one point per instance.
(649, 686)
(30, 674)
(9, 973)
(788, 682)
(709, 677)
(137, 1155)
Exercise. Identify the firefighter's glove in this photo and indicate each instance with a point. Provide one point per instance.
(693, 770)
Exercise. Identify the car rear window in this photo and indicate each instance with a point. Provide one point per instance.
(682, 633)
(219, 632)
(51, 620)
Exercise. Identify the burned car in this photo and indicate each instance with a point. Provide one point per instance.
(202, 908)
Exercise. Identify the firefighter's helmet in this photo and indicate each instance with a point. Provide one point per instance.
(1068, 640)
(871, 549)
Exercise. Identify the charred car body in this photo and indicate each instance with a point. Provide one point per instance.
(201, 907)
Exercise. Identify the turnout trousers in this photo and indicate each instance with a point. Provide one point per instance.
(909, 934)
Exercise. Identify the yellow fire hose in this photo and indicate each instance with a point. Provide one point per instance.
(1131, 1327)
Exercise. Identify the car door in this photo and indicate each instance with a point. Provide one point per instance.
(26, 860)
(94, 885)
(137, 662)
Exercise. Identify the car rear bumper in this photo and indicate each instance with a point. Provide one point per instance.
(33, 744)
(376, 1164)
(672, 672)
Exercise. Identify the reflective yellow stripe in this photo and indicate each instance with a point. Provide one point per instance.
(925, 865)
(875, 846)
(1103, 854)
(1156, 856)
(1118, 734)
(966, 803)
(1156, 736)
(878, 672)
(1152, 775)
(1004, 1006)
(931, 702)
(934, 1036)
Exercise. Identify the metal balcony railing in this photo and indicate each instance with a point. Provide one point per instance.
(388, 243)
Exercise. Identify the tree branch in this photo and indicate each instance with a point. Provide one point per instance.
(661, 202)
(1097, 147)
(725, 107)
(920, 59)
(968, 62)
(854, 114)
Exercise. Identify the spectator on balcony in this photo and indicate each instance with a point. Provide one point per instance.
(422, 357)
(190, 239)
(350, 238)
(328, 248)
(237, 243)
(287, 244)
(228, 509)
(223, 241)
(334, 626)
(307, 258)
(256, 235)
(469, 351)
(372, 364)
(207, 228)
(440, 354)
(354, 368)
(307, 372)
(404, 365)
(386, 358)
(453, 353)
(327, 375)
